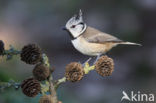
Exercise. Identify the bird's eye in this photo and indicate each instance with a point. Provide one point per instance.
(81, 23)
(73, 26)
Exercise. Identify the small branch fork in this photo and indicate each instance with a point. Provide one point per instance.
(59, 82)
(87, 69)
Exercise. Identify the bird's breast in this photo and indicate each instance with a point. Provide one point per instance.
(91, 49)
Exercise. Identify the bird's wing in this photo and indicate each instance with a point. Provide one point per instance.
(95, 36)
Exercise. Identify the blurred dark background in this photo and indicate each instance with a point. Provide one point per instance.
(40, 21)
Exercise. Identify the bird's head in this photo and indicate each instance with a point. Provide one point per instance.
(75, 25)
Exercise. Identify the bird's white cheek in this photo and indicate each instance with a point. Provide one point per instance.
(75, 34)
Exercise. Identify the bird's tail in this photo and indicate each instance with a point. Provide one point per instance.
(130, 43)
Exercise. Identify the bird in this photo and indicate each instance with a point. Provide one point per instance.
(91, 41)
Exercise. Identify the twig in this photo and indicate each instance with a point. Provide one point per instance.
(52, 90)
(59, 82)
(45, 60)
(88, 68)
(11, 52)
(4, 85)
(51, 85)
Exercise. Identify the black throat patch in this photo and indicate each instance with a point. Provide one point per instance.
(72, 37)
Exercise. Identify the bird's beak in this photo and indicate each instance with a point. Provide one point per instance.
(64, 28)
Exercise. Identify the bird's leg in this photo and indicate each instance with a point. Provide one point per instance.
(98, 56)
(86, 61)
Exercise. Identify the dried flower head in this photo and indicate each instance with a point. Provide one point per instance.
(46, 99)
(104, 66)
(1, 47)
(41, 72)
(31, 87)
(74, 72)
(31, 54)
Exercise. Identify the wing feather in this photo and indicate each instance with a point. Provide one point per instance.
(95, 36)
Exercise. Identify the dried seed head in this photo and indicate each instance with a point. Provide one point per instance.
(31, 54)
(1, 47)
(41, 72)
(104, 66)
(74, 72)
(31, 87)
(46, 99)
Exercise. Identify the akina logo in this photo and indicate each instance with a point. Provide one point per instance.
(137, 97)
